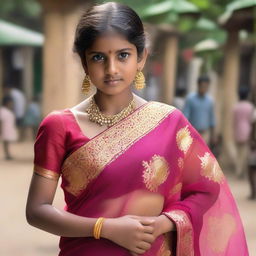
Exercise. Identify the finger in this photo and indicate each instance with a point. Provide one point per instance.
(147, 221)
(132, 216)
(139, 251)
(148, 229)
(134, 254)
(148, 238)
(144, 246)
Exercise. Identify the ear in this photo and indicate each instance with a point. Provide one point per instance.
(142, 59)
(84, 64)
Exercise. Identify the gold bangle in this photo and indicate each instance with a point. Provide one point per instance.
(97, 228)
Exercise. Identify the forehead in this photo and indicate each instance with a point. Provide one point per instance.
(111, 42)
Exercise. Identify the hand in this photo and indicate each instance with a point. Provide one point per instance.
(130, 233)
(161, 224)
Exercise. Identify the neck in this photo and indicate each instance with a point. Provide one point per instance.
(113, 104)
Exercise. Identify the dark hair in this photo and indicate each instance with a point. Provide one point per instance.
(203, 79)
(109, 17)
(6, 100)
(243, 93)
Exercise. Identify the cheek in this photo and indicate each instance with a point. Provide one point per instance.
(96, 70)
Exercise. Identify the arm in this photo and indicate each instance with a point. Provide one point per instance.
(41, 214)
(126, 231)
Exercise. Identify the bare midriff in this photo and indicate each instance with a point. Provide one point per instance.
(144, 203)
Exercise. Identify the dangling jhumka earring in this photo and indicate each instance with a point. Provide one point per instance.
(86, 86)
(139, 82)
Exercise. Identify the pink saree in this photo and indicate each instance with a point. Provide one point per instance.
(156, 152)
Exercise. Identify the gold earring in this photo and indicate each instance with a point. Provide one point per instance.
(139, 82)
(86, 86)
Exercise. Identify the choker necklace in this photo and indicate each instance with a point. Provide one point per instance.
(97, 117)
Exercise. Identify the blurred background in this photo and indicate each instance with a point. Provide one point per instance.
(187, 39)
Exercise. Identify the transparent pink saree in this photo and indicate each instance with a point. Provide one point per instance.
(153, 153)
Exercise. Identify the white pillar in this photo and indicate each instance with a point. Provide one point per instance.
(230, 85)
(170, 64)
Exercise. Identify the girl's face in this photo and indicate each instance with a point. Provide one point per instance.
(112, 63)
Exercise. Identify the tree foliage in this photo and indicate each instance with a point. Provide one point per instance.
(23, 12)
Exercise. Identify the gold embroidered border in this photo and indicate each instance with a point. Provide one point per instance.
(87, 162)
(164, 249)
(184, 232)
(46, 173)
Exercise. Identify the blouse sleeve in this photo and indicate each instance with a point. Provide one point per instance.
(205, 214)
(49, 148)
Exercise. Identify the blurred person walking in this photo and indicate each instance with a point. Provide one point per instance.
(19, 106)
(32, 116)
(8, 131)
(243, 118)
(199, 110)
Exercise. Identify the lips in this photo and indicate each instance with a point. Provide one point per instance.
(112, 81)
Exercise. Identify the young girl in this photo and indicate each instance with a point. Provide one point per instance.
(137, 178)
(8, 130)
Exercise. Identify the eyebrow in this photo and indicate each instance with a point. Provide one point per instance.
(124, 49)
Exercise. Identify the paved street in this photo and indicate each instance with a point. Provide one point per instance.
(19, 239)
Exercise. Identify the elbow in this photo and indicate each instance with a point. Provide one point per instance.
(32, 216)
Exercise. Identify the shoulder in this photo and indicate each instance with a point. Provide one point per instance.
(209, 98)
(5, 112)
(54, 120)
(160, 108)
(191, 96)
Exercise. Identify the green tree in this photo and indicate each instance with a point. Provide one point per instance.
(23, 12)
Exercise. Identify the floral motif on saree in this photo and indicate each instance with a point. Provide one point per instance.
(87, 162)
(224, 226)
(155, 172)
(184, 139)
(210, 168)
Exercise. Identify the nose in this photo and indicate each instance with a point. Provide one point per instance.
(111, 66)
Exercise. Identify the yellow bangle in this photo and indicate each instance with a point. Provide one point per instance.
(97, 228)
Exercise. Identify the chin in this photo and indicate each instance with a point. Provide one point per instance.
(114, 90)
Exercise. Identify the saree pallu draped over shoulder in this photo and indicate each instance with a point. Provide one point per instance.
(154, 153)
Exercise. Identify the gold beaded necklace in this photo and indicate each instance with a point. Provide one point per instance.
(97, 117)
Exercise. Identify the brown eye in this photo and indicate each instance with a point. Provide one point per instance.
(97, 57)
(123, 55)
